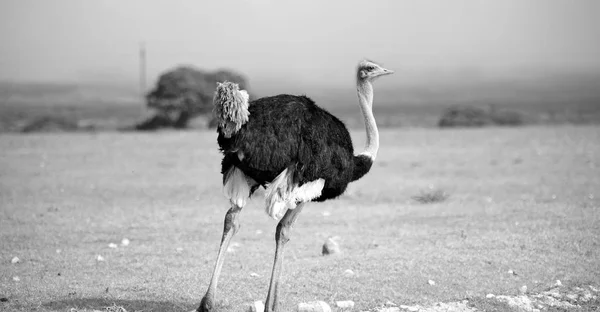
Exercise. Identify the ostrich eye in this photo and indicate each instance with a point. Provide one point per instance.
(370, 68)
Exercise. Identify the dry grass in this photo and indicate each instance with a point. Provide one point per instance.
(431, 196)
(537, 216)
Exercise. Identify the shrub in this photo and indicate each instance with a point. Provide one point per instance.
(464, 117)
(468, 116)
(184, 93)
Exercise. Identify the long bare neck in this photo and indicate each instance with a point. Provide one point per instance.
(364, 89)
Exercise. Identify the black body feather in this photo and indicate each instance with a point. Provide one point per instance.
(287, 131)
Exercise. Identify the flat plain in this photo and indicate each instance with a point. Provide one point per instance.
(520, 199)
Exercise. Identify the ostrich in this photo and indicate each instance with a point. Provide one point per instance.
(294, 149)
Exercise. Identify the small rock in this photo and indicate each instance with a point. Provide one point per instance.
(573, 297)
(523, 289)
(430, 282)
(557, 283)
(349, 273)
(179, 250)
(389, 304)
(257, 306)
(413, 309)
(326, 213)
(490, 296)
(58, 251)
(330, 247)
(125, 242)
(16, 278)
(511, 272)
(232, 247)
(347, 304)
(99, 258)
(15, 260)
(253, 274)
(314, 306)
(258, 232)
(404, 307)
(112, 245)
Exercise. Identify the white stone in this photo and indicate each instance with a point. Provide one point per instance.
(349, 273)
(16, 278)
(490, 296)
(253, 274)
(99, 258)
(112, 245)
(346, 304)
(15, 260)
(125, 242)
(257, 306)
(431, 282)
(314, 306)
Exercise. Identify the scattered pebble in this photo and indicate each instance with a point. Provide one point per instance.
(326, 213)
(490, 296)
(232, 247)
(253, 274)
(179, 250)
(523, 289)
(558, 283)
(16, 278)
(99, 258)
(257, 306)
(330, 247)
(553, 196)
(58, 251)
(347, 304)
(15, 260)
(112, 245)
(258, 232)
(511, 272)
(430, 282)
(389, 304)
(314, 306)
(125, 242)
(349, 273)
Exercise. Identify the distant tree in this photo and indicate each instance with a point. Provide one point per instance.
(184, 93)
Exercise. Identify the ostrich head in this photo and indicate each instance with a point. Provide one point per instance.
(369, 70)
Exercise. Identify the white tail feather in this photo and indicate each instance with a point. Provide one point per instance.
(230, 108)
(282, 195)
(237, 187)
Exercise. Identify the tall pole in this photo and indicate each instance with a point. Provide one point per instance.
(143, 72)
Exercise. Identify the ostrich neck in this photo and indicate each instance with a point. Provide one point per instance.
(364, 89)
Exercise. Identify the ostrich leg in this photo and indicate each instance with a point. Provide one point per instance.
(231, 226)
(282, 236)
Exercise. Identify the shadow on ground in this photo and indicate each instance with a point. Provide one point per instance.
(129, 305)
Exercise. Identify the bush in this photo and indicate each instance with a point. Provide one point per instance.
(184, 93)
(464, 117)
(468, 116)
(50, 124)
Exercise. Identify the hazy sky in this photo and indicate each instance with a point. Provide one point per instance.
(79, 40)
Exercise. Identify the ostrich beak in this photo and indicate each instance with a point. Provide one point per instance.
(387, 71)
